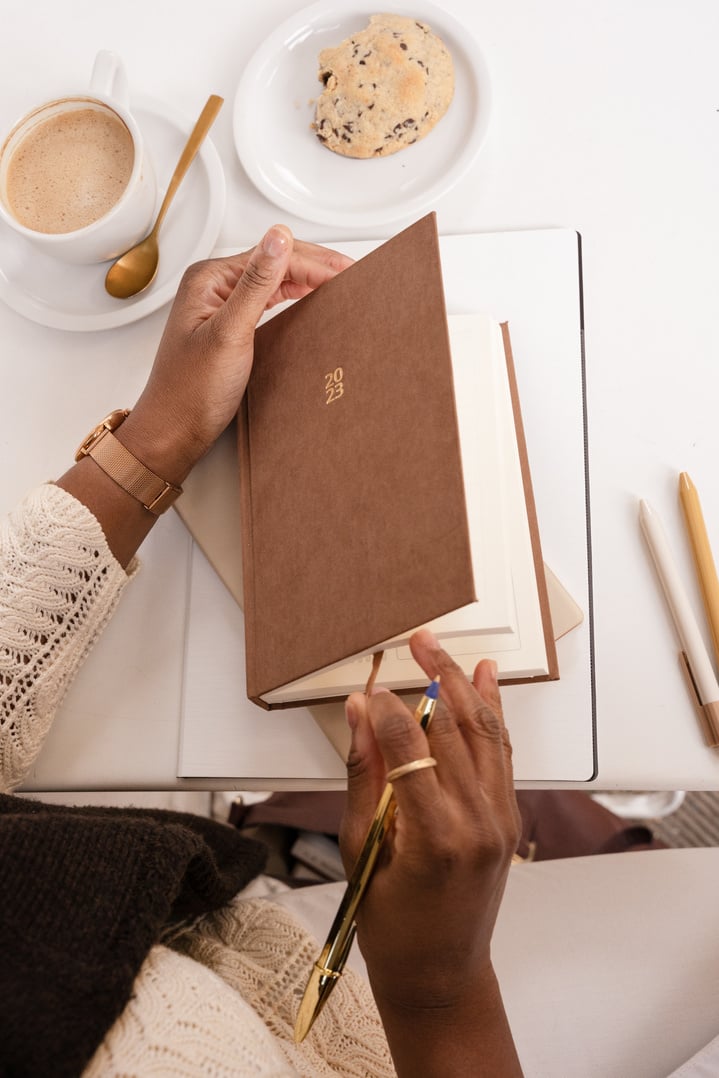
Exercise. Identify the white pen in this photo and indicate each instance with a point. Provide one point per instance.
(695, 658)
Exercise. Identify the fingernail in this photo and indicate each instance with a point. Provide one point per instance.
(376, 689)
(428, 638)
(275, 242)
(492, 669)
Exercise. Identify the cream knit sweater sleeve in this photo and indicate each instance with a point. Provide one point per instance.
(222, 1001)
(59, 585)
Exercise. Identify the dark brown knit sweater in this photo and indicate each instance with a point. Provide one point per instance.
(84, 895)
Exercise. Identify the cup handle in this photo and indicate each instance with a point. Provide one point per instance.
(109, 77)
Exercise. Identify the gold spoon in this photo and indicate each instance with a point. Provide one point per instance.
(136, 269)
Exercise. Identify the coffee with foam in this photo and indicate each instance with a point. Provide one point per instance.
(76, 179)
(69, 169)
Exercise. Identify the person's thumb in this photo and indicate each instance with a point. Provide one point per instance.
(261, 278)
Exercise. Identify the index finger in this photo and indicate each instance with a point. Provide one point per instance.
(471, 711)
(328, 256)
(459, 692)
(309, 267)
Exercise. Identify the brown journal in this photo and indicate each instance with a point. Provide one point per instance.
(354, 524)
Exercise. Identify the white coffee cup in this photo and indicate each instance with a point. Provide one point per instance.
(87, 205)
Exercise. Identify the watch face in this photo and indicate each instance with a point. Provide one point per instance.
(110, 422)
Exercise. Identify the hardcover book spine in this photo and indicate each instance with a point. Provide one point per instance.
(248, 558)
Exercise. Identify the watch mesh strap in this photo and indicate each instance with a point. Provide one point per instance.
(111, 455)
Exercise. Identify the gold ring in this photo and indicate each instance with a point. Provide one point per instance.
(413, 765)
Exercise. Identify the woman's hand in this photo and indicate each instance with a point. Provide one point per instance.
(205, 355)
(199, 374)
(426, 922)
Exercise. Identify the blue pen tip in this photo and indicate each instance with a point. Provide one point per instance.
(432, 691)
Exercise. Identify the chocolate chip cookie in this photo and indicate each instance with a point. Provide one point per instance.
(385, 88)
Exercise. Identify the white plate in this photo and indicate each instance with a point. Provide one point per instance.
(274, 107)
(55, 294)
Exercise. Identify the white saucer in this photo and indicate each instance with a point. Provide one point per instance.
(62, 296)
(274, 107)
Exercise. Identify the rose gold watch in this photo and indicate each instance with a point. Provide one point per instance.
(126, 470)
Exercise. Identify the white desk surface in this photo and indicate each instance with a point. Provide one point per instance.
(604, 120)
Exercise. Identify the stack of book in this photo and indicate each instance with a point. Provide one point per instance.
(384, 486)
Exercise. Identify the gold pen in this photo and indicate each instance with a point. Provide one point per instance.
(703, 558)
(328, 968)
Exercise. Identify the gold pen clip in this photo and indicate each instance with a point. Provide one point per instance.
(708, 713)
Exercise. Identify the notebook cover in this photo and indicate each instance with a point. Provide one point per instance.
(354, 526)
